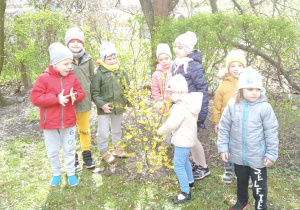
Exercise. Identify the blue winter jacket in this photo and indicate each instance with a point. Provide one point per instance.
(195, 78)
(248, 132)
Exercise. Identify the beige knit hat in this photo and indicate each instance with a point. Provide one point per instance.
(235, 56)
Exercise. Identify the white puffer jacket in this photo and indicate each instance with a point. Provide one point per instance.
(182, 121)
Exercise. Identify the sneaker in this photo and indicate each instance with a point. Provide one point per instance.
(194, 166)
(119, 152)
(73, 181)
(192, 185)
(55, 180)
(250, 184)
(87, 159)
(240, 206)
(201, 172)
(228, 173)
(182, 198)
(77, 164)
(108, 158)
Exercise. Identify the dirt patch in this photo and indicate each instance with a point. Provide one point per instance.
(20, 120)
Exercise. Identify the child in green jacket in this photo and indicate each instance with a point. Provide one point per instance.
(108, 86)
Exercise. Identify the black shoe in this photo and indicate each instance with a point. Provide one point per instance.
(182, 198)
(240, 206)
(194, 166)
(201, 172)
(87, 159)
(192, 185)
(77, 164)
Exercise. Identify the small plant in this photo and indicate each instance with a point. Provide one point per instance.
(34, 115)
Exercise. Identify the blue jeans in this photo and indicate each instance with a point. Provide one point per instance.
(183, 168)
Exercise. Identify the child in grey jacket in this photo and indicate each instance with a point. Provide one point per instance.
(248, 137)
(182, 122)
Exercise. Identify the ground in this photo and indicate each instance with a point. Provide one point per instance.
(20, 120)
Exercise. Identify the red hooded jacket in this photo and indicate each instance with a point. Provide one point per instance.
(45, 95)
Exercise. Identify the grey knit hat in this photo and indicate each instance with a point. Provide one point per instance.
(59, 52)
(187, 41)
(74, 33)
(107, 49)
(177, 83)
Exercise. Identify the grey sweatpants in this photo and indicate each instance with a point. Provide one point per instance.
(66, 137)
(103, 130)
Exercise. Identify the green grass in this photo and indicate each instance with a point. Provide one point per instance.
(25, 176)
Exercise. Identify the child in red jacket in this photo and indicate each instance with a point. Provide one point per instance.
(55, 92)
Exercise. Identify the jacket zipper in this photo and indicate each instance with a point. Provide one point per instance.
(62, 107)
(244, 133)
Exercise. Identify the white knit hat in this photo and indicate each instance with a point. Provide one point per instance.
(74, 34)
(187, 41)
(107, 49)
(235, 56)
(163, 49)
(59, 52)
(177, 83)
(250, 78)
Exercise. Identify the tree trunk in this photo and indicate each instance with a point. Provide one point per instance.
(213, 5)
(2, 18)
(152, 9)
(3, 101)
(26, 80)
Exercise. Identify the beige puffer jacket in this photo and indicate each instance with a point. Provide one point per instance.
(182, 121)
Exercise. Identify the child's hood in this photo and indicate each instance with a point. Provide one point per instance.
(193, 101)
(196, 55)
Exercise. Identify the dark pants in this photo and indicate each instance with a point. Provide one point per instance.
(259, 189)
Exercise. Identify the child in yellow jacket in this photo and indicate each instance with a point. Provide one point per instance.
(235, 63)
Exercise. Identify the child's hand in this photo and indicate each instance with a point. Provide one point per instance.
(106, 108)
(217, 128)
(63, 99)
(73, 96)
(159, 133)
(268, 162)
(224, 156)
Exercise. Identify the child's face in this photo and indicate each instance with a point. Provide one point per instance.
(179, 51)
(111, 60)
(75, 46)
(251, 94)
(164, 60)
(64, 67)
(235, 68)
(175, 96)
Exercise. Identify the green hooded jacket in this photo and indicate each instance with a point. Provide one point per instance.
(108, 87)
(84, 72)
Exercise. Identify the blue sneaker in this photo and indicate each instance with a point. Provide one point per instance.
(73, 181)
(55, 180)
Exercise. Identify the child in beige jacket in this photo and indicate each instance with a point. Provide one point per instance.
(182, 122)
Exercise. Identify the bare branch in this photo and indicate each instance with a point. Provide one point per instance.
(238, 6)
(294, 83)
(253, 7)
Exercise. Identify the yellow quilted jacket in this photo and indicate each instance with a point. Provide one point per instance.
(224, 93)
